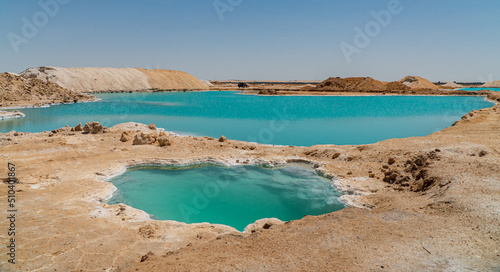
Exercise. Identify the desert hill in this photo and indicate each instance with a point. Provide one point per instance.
(358, 84)
(368, 84)
(114, 79)
(492, 84)
(416, 82)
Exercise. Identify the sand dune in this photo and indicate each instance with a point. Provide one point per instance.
(452, 85)
(114, 79)
(416, 82)
(492, 84)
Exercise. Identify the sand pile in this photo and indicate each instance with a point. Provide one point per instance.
(452, 85)
(416, 82)
(169, 79)
(17, 89)
(208, 83)
(114, 79)
(358, 84)
(492, 84)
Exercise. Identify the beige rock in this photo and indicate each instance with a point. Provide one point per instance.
(143, 138)
(93, 128)
(78, 127)
(126, 136)
(164, 141)
(222, 139)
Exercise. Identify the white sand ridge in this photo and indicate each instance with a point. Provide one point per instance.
(114, 79)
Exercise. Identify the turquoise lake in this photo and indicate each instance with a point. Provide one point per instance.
(282, 120)
(480, 89)
(233, 196)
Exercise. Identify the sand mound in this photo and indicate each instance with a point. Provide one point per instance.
(452, 85)
(358, 84)
(114, 79)
(169, 79)
(416, 82)
(208, 83)
(492, 84)
(17, 89)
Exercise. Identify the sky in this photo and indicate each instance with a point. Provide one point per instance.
(446, 40)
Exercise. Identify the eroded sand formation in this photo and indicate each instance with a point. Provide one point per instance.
(115, 79)
(422, 203)
(17, 91)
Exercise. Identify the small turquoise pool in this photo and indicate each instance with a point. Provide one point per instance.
(234, 196)
(282, 120)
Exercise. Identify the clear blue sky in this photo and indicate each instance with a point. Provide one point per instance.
(260, 39)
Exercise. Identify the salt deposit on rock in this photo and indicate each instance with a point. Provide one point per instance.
(114, 79)
(10, 114)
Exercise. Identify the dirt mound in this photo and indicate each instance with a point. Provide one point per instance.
(17, 89)
(114, 79)
(492, 84)
(169, 79)
(358, 84)
(416, 82)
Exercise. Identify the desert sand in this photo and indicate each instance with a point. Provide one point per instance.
(114, 79)
(416, 82)
(410, 85)
(415, 204)
(452, 85)
(492, 84)
(16, 91)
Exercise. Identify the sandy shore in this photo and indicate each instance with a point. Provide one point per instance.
(418, 204)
